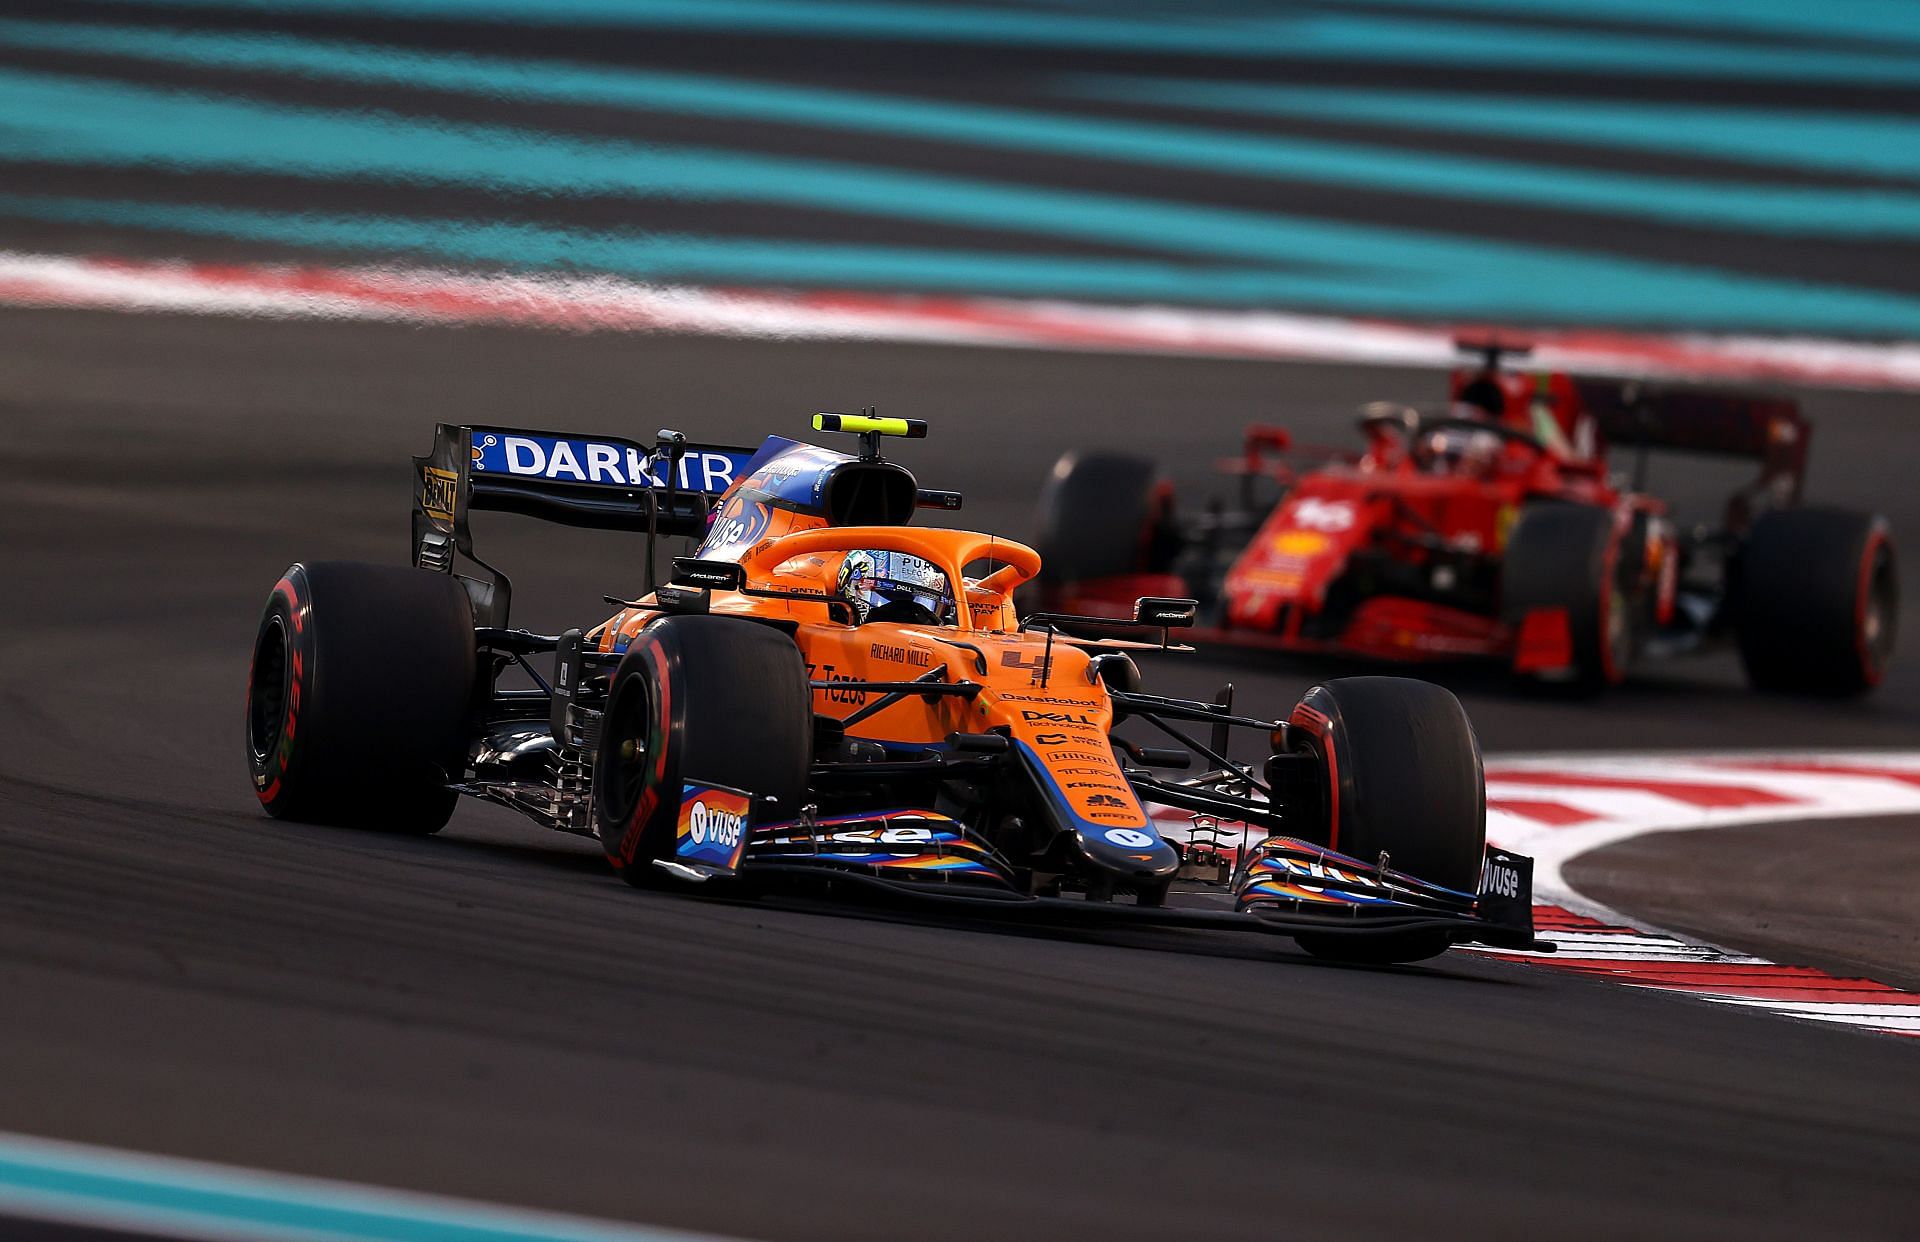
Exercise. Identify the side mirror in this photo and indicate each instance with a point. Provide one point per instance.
(713, 575)
(1166, 612)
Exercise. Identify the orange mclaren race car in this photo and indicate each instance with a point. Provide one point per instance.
(1496, 526)
(825, 692)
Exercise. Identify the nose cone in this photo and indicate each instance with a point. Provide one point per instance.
(1133, 853)
(1089, 796)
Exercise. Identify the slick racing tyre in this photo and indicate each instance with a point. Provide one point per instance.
(1816, 601)
(358, 694)
(1103, 515)
(1568, 557)
(1401, 776)
(698, 701)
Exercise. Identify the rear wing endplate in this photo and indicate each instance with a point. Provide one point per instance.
(599, 482)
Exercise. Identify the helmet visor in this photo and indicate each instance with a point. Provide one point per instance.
(895, 586)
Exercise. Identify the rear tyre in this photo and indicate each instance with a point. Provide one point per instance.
(698, 700)
(1102, 515)
(1401, 776)
(358, 694)
(1816, 601)
(1568, 557)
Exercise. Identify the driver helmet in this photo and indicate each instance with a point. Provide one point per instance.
(895, 586)
(1454, 450)
(1481, 398)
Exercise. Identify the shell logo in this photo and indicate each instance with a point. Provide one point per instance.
(1299, 543)
(1503, 525)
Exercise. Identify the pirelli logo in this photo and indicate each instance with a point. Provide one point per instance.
(439, 493)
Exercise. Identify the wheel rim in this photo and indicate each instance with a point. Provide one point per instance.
(267, 690)
(628, 725)
(1876, 617)
(1619, 634)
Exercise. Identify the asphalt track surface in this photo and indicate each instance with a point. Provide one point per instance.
(488, 1013)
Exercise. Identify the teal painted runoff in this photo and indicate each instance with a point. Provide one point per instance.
(1869, 143)
(68, 1182)
(1385, 38)
(1800, 210)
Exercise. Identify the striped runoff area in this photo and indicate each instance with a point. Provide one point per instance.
(1749, 167)
(1556, 808)
(1620, 953)
(612, 304)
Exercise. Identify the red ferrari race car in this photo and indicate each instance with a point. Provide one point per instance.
(1495, 527)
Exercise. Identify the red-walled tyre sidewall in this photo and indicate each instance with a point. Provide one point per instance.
(1402, 776)
(710, 700)
(1815, 601)
(358, 695)
(1568, 556)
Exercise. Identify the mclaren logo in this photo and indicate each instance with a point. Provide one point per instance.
(439, 493)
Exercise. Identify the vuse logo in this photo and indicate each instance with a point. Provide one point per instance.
(715, 825)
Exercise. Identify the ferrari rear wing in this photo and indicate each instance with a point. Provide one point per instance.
(599, 482)
(1727, 422)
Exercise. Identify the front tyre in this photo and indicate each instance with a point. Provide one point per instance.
(1400, 775)
(698, 701)
(357, 696)
(1566, 559)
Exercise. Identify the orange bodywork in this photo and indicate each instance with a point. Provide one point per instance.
(1042, 695)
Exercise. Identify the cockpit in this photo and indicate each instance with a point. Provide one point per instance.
(879, 585)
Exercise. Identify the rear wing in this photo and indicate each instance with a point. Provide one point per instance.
(600, 482)
(1764, 427)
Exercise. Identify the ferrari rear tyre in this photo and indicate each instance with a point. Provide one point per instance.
(698, 701)
(1569, 557)
(1102, 515)
(1816, 601)
(358, 694)
(1402, 777)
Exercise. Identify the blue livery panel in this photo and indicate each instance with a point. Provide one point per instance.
(1136, 847)
(534, 456)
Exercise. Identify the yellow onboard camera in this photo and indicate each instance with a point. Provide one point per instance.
(868, 424)
(870, 428)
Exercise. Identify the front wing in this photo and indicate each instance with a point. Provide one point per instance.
(1282, 885)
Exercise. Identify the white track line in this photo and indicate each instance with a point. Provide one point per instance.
(609, 304)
